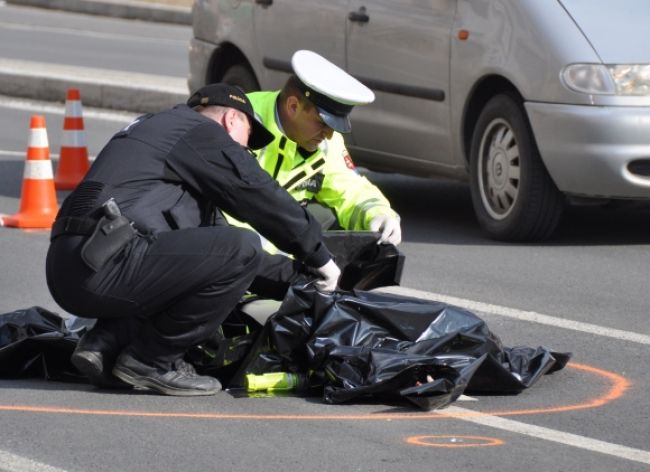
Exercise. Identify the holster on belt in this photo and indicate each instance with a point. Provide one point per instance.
(112, 233)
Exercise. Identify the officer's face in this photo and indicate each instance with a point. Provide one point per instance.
(307, 128)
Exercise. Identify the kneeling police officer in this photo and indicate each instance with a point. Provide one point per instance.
(141, 245)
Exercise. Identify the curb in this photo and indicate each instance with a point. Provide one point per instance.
(129, 9)
(133, 92)
(101, 88)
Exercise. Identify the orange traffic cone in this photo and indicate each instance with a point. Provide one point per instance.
(38, 205)
(73, 158)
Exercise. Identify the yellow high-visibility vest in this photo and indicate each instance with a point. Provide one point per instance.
(328, 175)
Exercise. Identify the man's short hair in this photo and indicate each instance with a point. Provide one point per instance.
(292, 88)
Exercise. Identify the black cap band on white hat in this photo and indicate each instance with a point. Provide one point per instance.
(333, 113)
(233, 97)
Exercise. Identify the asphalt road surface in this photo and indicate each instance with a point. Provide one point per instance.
(63, 38)
(579, 293)
(585, 291)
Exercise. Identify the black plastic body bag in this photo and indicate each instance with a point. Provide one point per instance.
(362, 345)
(350, 345)
(35, 342)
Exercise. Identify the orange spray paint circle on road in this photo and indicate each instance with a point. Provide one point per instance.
(618, 387)
(454, 442)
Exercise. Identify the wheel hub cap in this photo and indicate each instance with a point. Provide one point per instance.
(499, 167)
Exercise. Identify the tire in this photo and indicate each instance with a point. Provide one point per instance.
(513, 196)
(241, 76)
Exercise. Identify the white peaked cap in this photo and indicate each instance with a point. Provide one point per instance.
(330, 88)
(329, 79)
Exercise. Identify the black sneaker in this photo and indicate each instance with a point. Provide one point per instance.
(181, 381)
(94, 357)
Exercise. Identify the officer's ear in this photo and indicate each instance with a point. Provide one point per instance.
(292, 106)
(228, 119)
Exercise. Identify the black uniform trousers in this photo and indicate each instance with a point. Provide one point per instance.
(180, 284)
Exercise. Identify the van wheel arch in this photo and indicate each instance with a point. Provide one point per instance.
(482, 92)
(229, 65)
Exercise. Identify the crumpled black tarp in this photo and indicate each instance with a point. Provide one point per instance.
(355, 345)
(368, 345)
(352, 345)
(35, 342)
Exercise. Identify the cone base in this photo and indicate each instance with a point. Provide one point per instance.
(23, 221)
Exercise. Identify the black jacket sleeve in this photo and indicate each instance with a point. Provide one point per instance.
(209, 161)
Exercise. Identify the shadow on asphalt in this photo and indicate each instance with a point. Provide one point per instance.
(437, 211)
(33, 383)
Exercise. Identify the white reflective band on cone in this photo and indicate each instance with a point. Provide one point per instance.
(38, 138)
(38, 170)
(73, 138)
(73, 108)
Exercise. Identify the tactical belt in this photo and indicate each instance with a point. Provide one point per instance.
(81, 226)
(106, 236)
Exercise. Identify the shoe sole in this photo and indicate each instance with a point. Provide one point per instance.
(131, 378)
(90, 364)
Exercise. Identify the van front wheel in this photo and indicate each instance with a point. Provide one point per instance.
(513, 196)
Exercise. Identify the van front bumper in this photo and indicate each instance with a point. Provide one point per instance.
(594, 151)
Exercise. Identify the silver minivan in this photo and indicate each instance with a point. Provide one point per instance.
(534, 102)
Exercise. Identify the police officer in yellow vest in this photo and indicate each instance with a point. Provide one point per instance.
(308, 156)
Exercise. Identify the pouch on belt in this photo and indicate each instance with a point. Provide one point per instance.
(112, 233)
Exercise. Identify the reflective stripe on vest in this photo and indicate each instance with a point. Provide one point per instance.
(359, 213)
(305, 171)
(275, 155)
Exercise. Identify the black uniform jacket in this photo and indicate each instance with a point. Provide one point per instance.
(177, 168)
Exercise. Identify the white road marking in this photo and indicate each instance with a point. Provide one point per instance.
(523, 315)
(59, 109)
(581, 442)
(22, 154)
(12, 463)
(466, 398)
(91, 34)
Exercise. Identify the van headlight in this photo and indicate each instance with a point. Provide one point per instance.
(599, 79)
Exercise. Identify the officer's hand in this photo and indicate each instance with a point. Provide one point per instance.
(389, 227)
(329, 274)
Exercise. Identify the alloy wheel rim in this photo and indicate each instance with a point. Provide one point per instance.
(499, 169)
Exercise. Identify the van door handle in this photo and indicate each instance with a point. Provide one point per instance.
(264, 2)
(359, 16)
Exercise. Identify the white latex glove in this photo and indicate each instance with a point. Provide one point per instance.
(389, 227)
(329, 274)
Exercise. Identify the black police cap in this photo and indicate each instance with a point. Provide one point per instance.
(233, 97)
